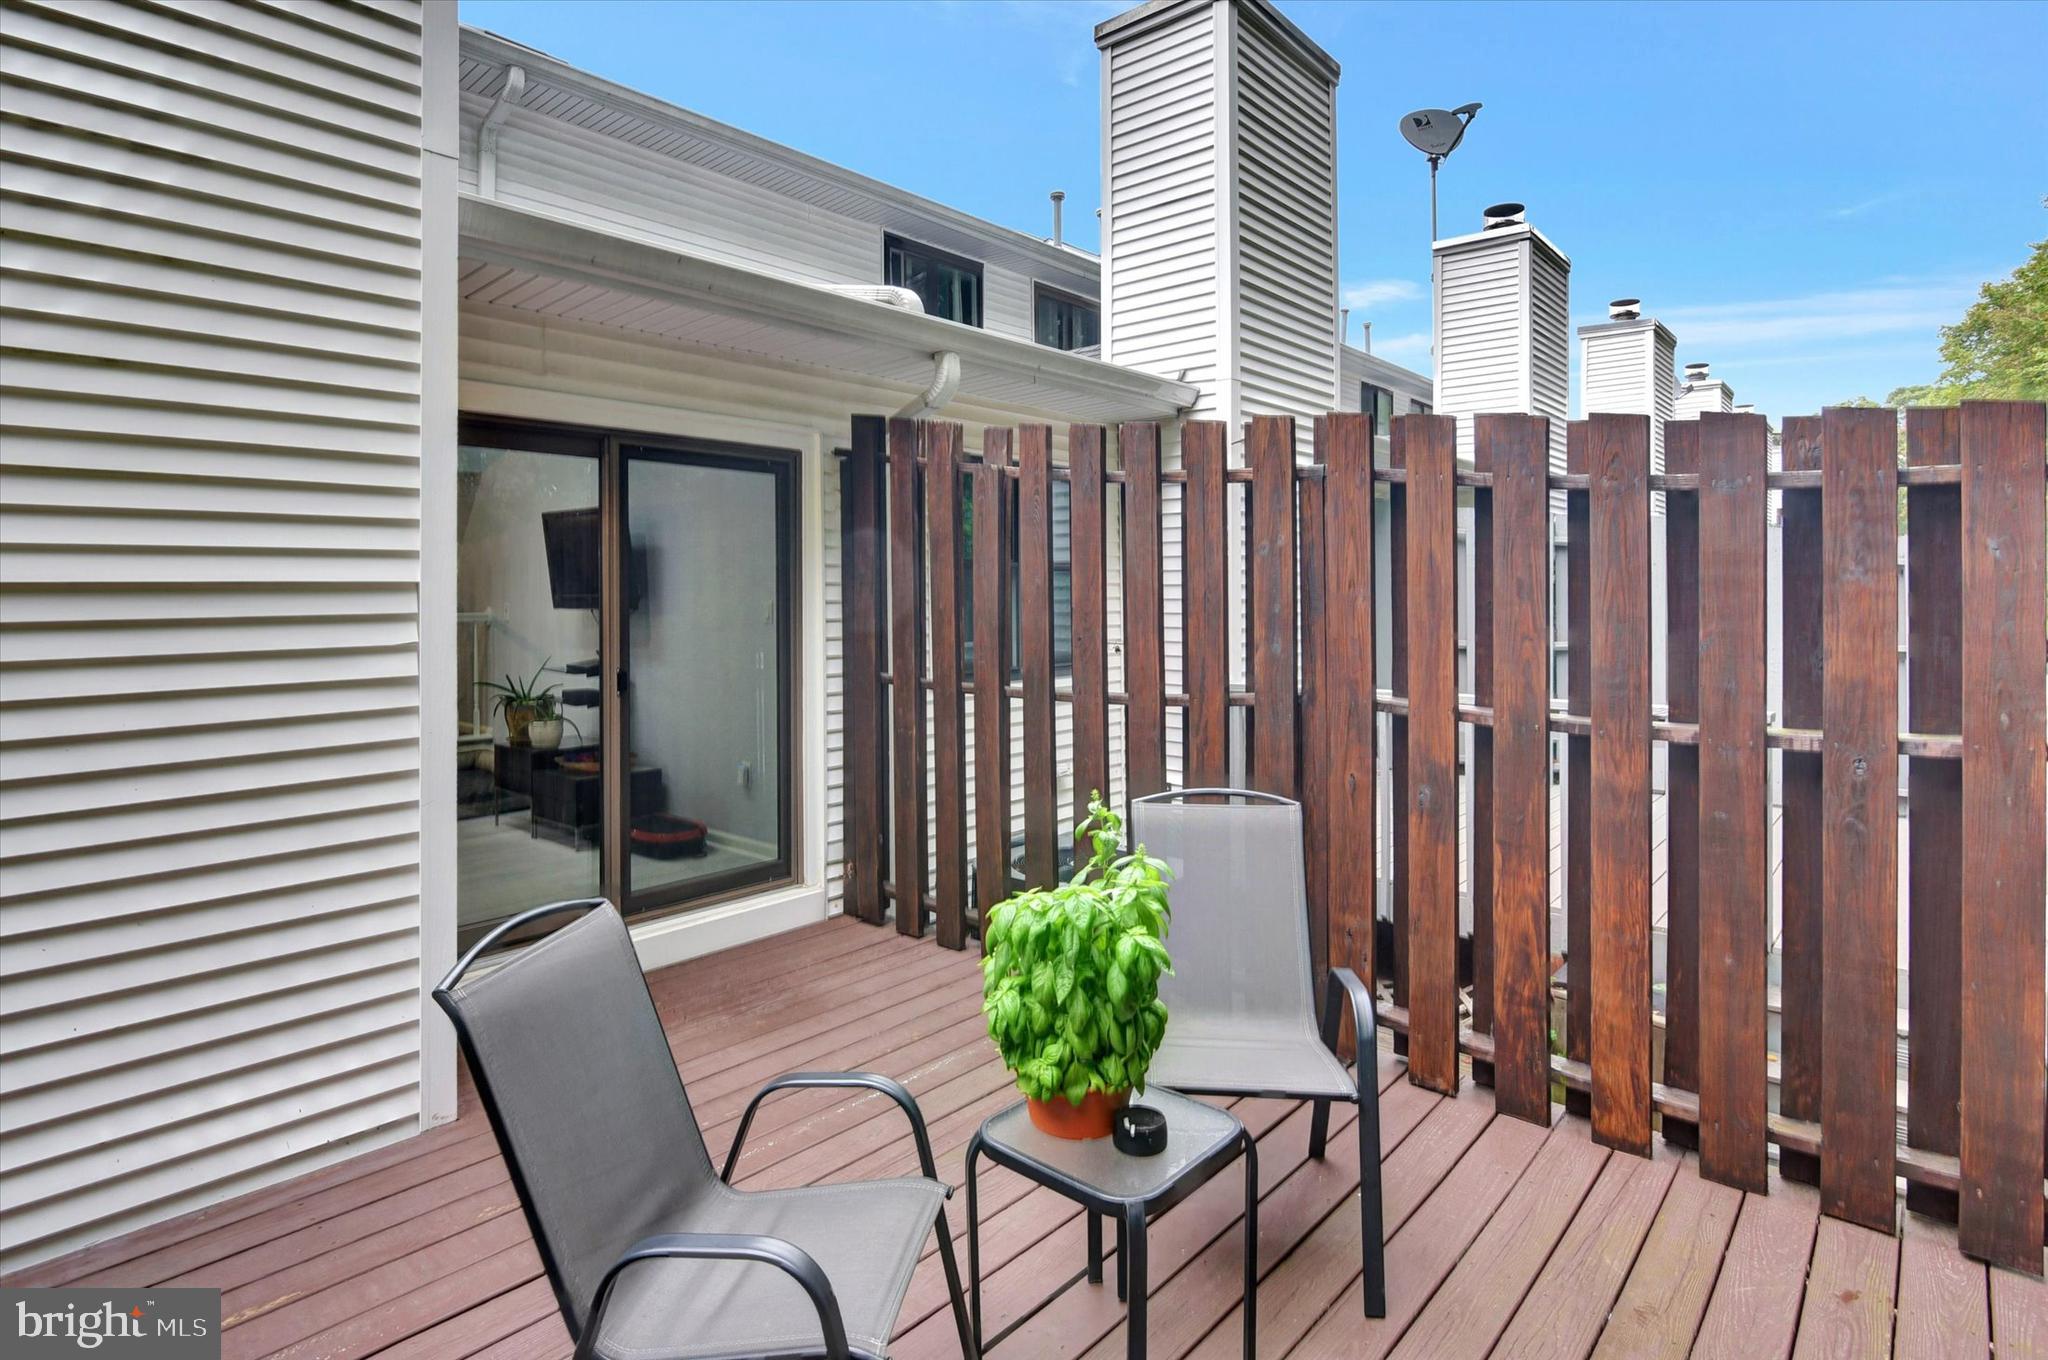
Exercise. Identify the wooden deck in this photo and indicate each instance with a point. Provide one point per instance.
(1503, 1237)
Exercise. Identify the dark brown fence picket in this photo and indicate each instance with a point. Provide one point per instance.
(1730, 819)
(1204, 593)
(1517, 451)
(1431, 457)
(1934, 792)
(1682, 571)
(1086, 527)
(992, 498)
(2005, 879)
(1975, 482)
(949, 718)
(1144, 611)
(1859, 805)
(1799, 888)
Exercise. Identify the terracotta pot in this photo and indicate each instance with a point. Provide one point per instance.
(518, 717)
(1092, 1118)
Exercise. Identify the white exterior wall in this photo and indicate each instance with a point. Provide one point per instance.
(1697, 397)
(1503, 335)
(1355, 366)
(211, 933)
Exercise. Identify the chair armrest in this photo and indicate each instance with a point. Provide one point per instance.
(1345, 986)
(873, 1081)
(787, 1257)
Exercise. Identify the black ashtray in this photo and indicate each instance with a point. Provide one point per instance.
(1140, 1130)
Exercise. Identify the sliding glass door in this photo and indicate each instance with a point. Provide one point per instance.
(624, 664)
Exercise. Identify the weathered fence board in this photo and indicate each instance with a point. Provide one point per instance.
(863, 548)
(1799, 888)
(1312, 769)
(1859, 831)
(1731, 819)
(1934, 793)
(1431, 451)
(1204, 587)
(1578, 810)
(1397, 723)
(949, 718)
(1518, 451)
(1347, 709)
(1086, 530)
(1682, 570)
(1144, 611)
(906, 670)
(1034, 648)
(2005, 880)
(1479, 833)
(1269, 447)
(992, 495)
(1619, 551)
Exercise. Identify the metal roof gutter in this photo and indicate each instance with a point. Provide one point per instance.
(493, 231)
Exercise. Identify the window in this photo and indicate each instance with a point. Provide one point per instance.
(1378, 403)
(1418, 408)
(1062, 582)
(949, 285)
(1065, 321)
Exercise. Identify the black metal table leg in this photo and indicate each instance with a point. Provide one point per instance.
(1094, 1247)
(1122, 1262)
(1134, 1250)
(1251, 1247)
(973, 1243)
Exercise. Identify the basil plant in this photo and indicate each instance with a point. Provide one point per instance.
(1071, 978)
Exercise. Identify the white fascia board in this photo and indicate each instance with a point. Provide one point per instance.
(493, 231)
(1074, 269)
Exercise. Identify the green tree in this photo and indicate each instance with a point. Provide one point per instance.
(1999, 348)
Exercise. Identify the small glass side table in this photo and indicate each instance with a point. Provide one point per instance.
(1200, 1141)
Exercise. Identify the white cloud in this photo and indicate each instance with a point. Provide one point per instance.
(1396, 346)
(1893, 307)
(1876, 201)
(1378, 292)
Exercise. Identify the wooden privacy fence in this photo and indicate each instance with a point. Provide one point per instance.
(1974, 485)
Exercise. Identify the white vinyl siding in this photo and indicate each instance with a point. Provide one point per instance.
(209, 525)
(1549, 342)
(1503, 331)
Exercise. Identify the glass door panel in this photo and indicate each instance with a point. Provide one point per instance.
(709, 578)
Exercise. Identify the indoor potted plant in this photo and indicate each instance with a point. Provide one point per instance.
(523, 703)
(1071, 983)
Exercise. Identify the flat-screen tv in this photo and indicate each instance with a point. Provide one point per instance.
(576, 561)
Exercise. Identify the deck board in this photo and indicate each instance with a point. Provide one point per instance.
(1502, 1236)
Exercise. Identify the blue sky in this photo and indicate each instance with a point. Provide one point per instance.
(1804, 193)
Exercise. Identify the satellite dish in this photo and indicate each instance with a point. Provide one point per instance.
(1437, 132)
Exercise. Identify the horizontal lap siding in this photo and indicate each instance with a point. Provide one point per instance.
(209, 528)
(1480, 365)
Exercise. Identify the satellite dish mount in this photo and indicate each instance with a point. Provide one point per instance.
(1436, 134)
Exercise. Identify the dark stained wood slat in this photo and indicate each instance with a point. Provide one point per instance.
(1859, 834)
(1270, 563)
(1517, 448)
(1426, 1248)
(1660, 1307)
(1568, 1305)
(1800, 866)
(1348, 720)
(1397, 723)
(1311, 718)
(906, 668)
(864, 573)
(1086, 530)
(1683, 1042)
(2004, 862)
(1432, 808)
(1321, 1275)
(1944, 1297)
(1934, 791)
(992, 672)
(1619, 553)
(1849, 1292)
(1034, 631)
(1205, 592)
(1732, 819)
(1479, 833)
(1144, 611)
(1482, 1293)
(1578, 807)
(948, 703)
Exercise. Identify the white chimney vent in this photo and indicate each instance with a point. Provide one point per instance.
(1503, 326)
(1624, 309)
(1702, 392)
(1504, 215)
(1625, 367)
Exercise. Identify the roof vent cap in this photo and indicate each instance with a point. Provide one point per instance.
(1624, 309)
(1697, 372)
(1504, 215)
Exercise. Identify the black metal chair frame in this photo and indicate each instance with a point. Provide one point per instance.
(786, 1256)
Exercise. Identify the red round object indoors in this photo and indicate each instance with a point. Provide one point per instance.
(667, 836)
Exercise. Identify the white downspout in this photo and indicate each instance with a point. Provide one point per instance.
(487, 136)
(945, 382)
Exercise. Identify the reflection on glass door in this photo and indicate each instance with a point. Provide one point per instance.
(707, 643)
(528, 584)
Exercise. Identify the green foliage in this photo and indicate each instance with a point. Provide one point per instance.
(513, 692)
(1071, 982)
(2000, 347)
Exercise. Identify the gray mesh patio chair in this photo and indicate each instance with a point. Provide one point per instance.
(1241, 998)
(652, 1254)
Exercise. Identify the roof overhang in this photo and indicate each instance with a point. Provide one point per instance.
(525, 261)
